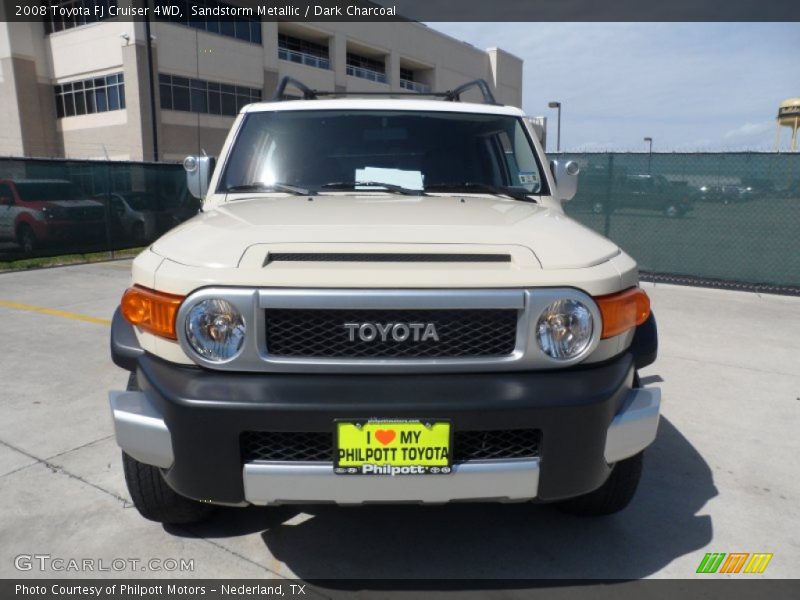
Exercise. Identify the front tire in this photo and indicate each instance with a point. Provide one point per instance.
(155, 500)
(138, 234)
(151, 495)
(618, 490)
(611, 497)
(27, 239)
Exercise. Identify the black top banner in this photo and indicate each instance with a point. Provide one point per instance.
(398, 10)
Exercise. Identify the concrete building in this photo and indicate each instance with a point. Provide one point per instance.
(80, 88)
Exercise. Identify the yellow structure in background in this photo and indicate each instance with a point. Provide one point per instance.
(788, 116)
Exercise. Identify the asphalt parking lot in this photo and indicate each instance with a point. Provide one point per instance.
(722, 475)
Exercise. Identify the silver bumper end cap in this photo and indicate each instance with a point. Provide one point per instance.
(298, 483)
(635, 426)
(140, 429)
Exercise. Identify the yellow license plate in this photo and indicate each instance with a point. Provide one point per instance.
(393, 447)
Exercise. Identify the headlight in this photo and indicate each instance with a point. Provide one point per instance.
(215, 329)
(564, 329)
(55, 212)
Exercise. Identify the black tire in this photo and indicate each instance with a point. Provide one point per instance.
(618, 490)
(672, 211)
(151, 495)
(611, 497)
(27, 239)
(137, 233)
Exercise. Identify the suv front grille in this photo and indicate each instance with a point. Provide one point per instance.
(318, 446)
(321, 333)
(85, 214)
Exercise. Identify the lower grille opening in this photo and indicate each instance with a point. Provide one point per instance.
(318, 446)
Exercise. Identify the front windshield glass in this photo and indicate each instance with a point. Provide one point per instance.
(434, 151)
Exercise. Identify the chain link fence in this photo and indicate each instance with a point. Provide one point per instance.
(730, 219)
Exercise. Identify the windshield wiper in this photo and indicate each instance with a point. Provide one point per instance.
(270, 187)
(353, 185)
(475, 186)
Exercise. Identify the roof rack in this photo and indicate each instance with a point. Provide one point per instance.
(449, 96)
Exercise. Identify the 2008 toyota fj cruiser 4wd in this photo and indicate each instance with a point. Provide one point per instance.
(382, 301)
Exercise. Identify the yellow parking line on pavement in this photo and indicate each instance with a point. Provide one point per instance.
(54, 312)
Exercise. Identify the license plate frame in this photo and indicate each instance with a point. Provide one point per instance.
(396, 465)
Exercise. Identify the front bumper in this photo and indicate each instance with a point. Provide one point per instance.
(189, 422)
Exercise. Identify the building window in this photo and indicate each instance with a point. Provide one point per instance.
(408, 82)
(303, 52)
(247, 29)
(207, 97)
(100, 94)
(97, 11)
(366, 68)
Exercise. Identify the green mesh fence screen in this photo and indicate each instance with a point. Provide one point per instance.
(731, 217)
(55, 207)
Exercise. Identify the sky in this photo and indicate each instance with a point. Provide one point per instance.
(689, 86)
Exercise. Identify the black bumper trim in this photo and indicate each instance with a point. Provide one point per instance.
(644, 346)
(206, 413)
(125, 348)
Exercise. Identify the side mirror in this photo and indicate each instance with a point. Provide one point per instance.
(199, 170)
(565, 172)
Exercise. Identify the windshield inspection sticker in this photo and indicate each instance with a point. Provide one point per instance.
(407, 179)
(527, 178)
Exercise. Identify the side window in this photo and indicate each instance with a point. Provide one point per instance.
(5, 192)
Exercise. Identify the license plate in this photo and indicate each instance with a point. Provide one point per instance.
(393, 447)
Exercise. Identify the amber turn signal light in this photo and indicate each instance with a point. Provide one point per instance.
(623, 311)
(153, 311)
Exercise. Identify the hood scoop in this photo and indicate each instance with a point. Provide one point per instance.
(384, 257)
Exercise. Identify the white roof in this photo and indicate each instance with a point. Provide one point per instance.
(384, 104)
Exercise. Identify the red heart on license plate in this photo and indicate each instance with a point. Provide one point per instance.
(384, 436)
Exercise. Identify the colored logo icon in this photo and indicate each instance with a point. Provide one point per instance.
(734, 562)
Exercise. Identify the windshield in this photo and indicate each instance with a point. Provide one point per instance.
(48, 191)
(410, 150)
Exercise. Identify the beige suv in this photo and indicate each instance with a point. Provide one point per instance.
(382, 300)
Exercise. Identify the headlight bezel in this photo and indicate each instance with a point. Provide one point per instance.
(191, 339)
(579, 309)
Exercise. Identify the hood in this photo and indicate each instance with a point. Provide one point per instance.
(220, 237)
